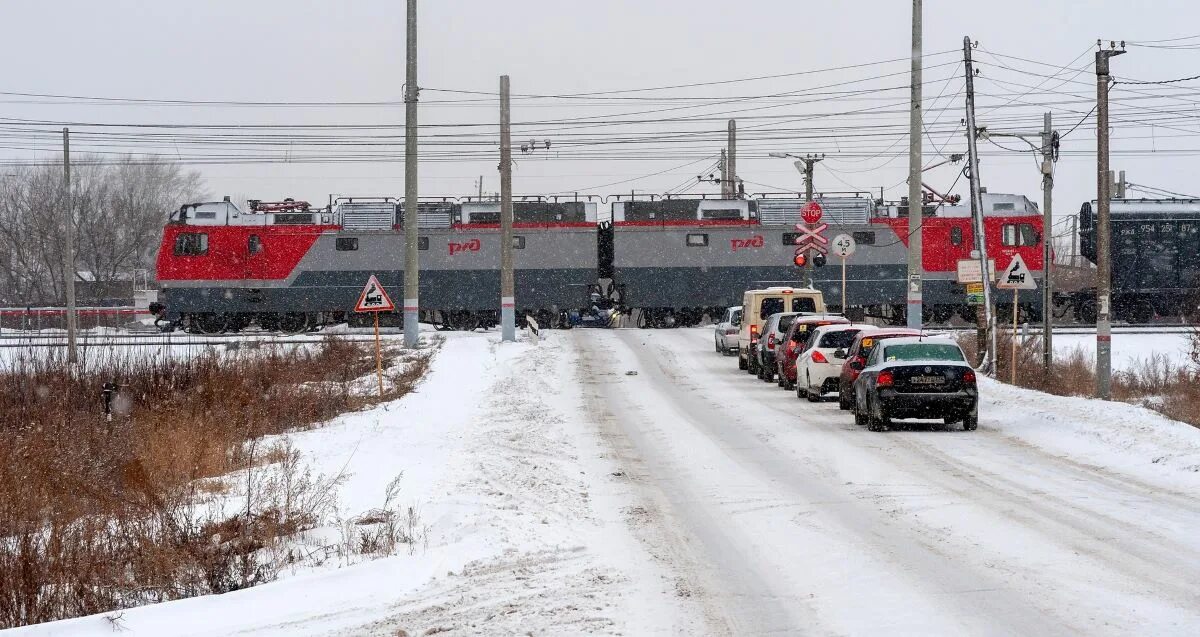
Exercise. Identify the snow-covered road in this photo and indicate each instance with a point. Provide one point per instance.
(788, 518)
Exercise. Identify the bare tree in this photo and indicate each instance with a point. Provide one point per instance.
(119, 208)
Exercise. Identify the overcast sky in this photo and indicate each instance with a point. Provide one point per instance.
(289, 51)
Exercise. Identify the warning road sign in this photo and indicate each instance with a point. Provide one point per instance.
(1016, 276)
(374, 298)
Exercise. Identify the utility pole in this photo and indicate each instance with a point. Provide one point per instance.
(724, 166)
(985, 322)
(1103, 231)
(481, 188)
(69, 251)
(1047, 240)
(1121, 185)
(508, 325)
(915, 303)
(732, 161)
(411, 263)
(809, 161)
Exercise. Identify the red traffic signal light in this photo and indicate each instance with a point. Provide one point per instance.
(800, 259)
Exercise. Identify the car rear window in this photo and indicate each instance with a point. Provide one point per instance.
(786, 321)
(838, 340)
(922, 352)
(775, 305)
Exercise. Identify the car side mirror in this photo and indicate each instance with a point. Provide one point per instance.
(840, 353)
(856, 366)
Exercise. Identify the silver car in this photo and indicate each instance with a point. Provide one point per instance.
(725, 336)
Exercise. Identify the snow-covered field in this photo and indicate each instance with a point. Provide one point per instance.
(1128, 349)
(634, 482)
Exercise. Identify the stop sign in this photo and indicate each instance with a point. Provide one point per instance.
(811, 212)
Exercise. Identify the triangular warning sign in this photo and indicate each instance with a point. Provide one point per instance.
(1016, 276)
(374, 298)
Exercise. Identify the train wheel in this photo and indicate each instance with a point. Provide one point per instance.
(1141, 312)
(210, 323)
(968, 313)
(268, 322)
(293, 322)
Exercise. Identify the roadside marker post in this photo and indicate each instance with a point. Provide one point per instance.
(1016, 277)
(375, 299)
(844, 246)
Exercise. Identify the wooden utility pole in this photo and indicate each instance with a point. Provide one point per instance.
(411, 263)
(1103, 231)
(985, 321)
(69, 251)
(508, 328)
(913, 285)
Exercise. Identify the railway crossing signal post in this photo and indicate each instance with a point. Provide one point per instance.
(1103, 230)
(508, 318)
(411, 262)
(1016, 277)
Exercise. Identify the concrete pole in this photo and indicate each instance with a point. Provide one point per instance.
(731, 172)
(411, 263)
(1121, 185)
(1103, 232)
(987, 322)
(1047, 247)
(914, 285)
(69, 252)
(508, 327)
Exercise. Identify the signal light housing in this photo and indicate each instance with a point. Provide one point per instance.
(800, 260)
(819, 260)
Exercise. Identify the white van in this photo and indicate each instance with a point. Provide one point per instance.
(758, 305)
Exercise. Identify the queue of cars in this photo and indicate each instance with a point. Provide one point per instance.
(879, 374)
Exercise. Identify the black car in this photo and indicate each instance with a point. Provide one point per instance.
(916, 377)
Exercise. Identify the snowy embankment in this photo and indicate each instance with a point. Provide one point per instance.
(1129, 349)
(1118, 437)
(528, 527)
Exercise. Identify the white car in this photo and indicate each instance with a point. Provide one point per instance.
(819, 366)
(726, 332)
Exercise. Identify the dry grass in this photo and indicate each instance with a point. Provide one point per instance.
(98, 515)
(1154, 381)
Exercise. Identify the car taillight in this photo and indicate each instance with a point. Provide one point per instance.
(818, 357)
(771, 340)
(884, 380)
(968, 377)
(753, 333)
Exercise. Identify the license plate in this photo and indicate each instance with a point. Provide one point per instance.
(927, 380)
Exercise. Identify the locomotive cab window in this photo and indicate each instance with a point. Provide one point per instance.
(956, 235)
(866, 238)
(518, 242)
(346, 244)
(191, 244)
(1018, 235)
(254, 244)
(697, 239)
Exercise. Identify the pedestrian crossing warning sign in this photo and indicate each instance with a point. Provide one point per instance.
(1017, 276)
(374, 298)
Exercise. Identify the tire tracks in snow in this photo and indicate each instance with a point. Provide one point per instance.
(903, 562)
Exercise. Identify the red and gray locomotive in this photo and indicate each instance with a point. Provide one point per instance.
(290, 266)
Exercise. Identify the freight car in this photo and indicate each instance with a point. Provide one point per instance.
(676, 260)
(288, 266)
(1154, 257)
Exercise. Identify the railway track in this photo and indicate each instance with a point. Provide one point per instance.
(257, 339)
